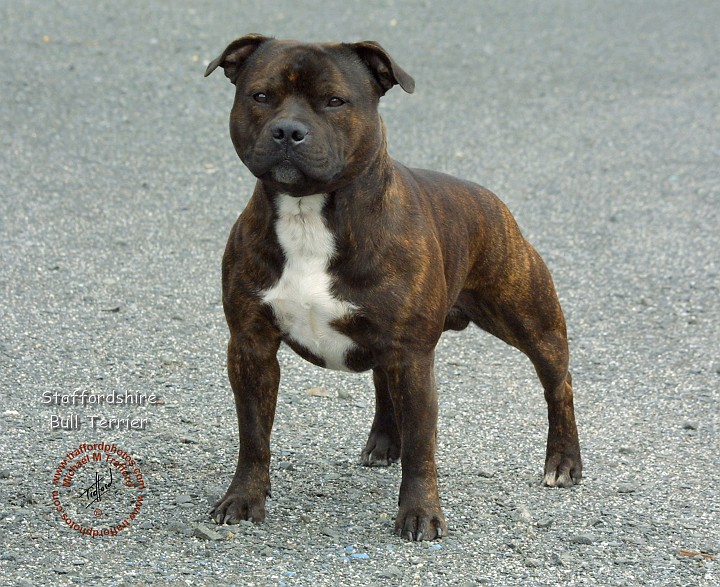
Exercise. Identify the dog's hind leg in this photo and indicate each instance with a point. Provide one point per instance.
(563, 465)
(522, 308)
(383, 443)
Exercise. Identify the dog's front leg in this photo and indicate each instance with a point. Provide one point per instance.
(411, 382)
(254, 375)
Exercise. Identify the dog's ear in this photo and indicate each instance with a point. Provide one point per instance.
(235, 55)
(383, 67)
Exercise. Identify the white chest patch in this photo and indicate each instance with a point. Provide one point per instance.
(301, 299)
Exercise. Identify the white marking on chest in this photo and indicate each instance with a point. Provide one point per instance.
(301, 300)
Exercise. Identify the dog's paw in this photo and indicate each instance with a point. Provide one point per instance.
(236, 507)
(380, 450)
(562, 470)
(421, 523)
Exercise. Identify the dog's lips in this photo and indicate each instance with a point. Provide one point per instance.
(294, 174)
(286, 172)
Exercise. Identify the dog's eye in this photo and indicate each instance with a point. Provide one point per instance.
(335, 102)
(261, 97)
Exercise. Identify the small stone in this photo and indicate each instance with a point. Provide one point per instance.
(342, 394)
(627, 488)
(521, 514)
(533, 563)
(635, 541)
(391, 572)
(183, 499)
(545, 522)
(688, 554)
(318, 392)
(583, 539)
(286, 466)
(6, 556)
(560, 560)
(688, 425)
(175, 526)
(5, 473)
(486, 473)
(204, 533)
(331, 533)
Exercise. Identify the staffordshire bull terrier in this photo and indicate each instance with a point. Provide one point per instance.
(360, 263)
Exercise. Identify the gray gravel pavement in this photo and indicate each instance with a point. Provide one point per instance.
(597, 123)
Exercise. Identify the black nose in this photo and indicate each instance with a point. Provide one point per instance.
(291, 132)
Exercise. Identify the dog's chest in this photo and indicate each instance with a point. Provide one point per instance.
(302, 300)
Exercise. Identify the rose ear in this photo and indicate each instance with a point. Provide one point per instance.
(383, 67)
(235, 55)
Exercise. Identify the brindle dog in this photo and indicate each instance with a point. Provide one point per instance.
(360, 263)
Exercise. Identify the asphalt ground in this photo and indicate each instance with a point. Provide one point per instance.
(597, 123)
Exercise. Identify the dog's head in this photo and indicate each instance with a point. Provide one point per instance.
(305, 117)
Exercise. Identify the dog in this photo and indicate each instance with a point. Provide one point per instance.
(359, 263)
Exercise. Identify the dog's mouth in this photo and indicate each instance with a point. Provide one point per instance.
(286, 173)
(297, 177)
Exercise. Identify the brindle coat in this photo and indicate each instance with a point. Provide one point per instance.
(417, 253)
